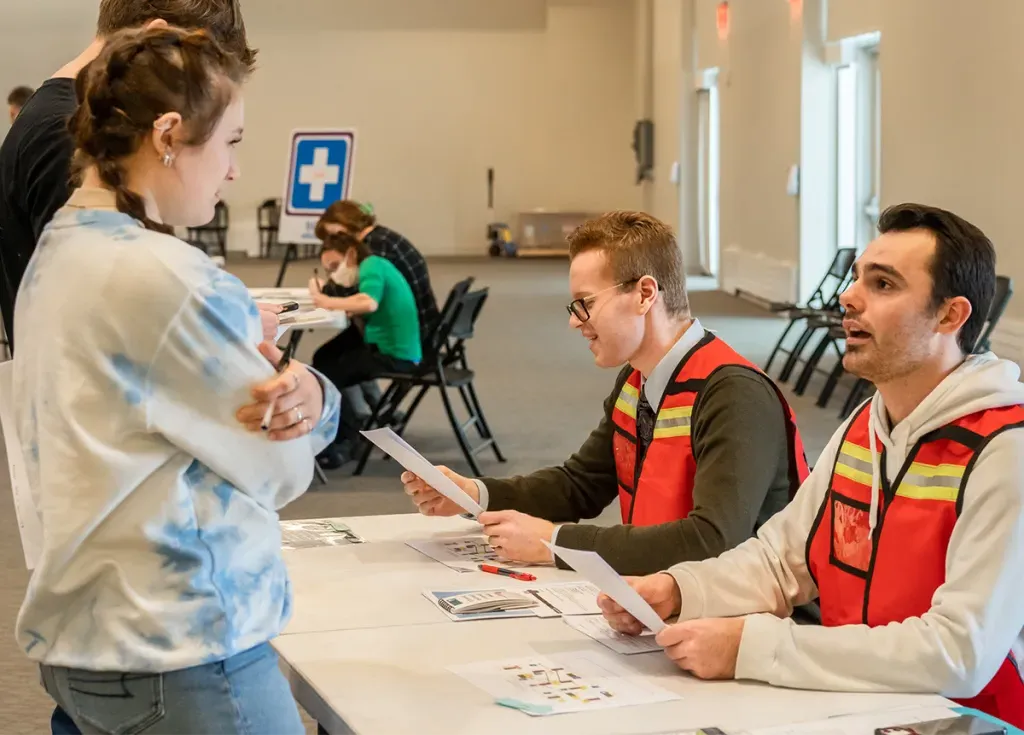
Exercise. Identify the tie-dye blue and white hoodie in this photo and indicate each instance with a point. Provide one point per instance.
(162, 548)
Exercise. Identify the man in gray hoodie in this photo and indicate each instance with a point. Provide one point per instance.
(910, 530)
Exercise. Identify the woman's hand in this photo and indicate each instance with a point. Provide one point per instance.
(296, 394)
(316, 286)
(321, 301)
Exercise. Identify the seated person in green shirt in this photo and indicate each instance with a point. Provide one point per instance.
(389, 340)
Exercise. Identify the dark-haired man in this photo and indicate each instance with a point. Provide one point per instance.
(910, 530)
(17, 99)
(35, 159)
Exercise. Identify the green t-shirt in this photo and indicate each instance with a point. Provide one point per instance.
(395, 327)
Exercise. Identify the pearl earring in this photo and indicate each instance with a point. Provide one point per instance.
(168, 159)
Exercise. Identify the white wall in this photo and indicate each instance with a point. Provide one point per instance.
(439, 90)
(759, 92)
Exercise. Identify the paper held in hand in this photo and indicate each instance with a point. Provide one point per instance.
(398, 449)
(596, 570)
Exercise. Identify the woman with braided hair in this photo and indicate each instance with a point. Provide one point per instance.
(141, 407)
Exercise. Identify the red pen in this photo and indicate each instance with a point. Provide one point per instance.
(521, 576)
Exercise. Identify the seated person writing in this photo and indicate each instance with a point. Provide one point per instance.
(910, 530)
(359, 220)
(696, 444)
(389, 342)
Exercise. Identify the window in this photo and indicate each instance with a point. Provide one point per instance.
(858, 142)
(708, 173)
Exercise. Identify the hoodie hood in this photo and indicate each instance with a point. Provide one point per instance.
(980, 383)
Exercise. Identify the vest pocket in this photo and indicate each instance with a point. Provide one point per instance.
(851, 535)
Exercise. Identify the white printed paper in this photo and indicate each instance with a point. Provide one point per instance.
(561, 683)
(593, 567)
(862, 723)
(30, 525)
(310, 534)
(463, 554)
(498, 607)
(596, 627)
(569, 598)
(396, 447)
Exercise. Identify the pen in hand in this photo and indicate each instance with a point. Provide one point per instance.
(286, 360)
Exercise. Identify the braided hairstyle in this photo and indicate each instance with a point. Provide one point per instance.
(137, 78)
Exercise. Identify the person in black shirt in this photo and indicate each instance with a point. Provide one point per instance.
(35, 158)
(17, 99)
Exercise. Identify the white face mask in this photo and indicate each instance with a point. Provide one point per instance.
(346, 276)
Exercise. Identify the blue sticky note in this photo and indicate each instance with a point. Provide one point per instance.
(530, 709)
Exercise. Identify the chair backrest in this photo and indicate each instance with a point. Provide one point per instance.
(1000, 300)
(437, 339)
(826, 296)
(269, 215)
(465, 320)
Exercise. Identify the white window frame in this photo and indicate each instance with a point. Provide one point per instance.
(709, 171)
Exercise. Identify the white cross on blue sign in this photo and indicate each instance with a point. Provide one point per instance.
(320, 172)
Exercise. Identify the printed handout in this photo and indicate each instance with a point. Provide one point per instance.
(561, 683)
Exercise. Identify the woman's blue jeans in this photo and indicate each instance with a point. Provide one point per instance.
(247, 693)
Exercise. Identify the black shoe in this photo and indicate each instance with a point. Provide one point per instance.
(333, 458)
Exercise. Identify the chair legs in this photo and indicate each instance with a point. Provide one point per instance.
(476, 413)
(460, 431)
(812, 363)
(830, 385)
(856, 396)
(794, 356)
(778, 345)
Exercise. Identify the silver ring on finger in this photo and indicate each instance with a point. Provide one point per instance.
(299, 418)
(307, 425)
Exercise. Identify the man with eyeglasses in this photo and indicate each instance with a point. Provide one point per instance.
(697, 445)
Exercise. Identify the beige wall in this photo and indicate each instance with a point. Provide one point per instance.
(439, 90)
(952, 116)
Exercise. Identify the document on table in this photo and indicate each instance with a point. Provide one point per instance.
(30, 525)
(863, 723)
(562, 683)
(403, 453)
(313, 533)
(463, 554)
(462, 605)
(597, 628)
(568, 598)
(594, 568)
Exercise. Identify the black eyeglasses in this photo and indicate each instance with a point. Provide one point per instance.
(580, 308)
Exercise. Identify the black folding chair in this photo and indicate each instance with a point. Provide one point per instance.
(458, 317)
(268, 218)
(824, 301)
(213, 236)
(1000, 300)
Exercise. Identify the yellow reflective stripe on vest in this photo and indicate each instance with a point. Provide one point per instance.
(932, 482)
(673, 422)
(921, 482)
(854, 463)
(627, 400)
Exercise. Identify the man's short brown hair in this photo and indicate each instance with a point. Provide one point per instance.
(221, 18)
(637, 245)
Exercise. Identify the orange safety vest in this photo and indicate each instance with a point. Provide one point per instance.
(659, 488)
(893, 576)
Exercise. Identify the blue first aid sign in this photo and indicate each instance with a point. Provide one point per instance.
(319, 174)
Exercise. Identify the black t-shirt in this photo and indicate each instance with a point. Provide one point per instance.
(35, 172)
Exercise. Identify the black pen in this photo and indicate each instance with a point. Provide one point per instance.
(286, 360)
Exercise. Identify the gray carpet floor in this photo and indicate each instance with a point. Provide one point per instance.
(537, 383)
